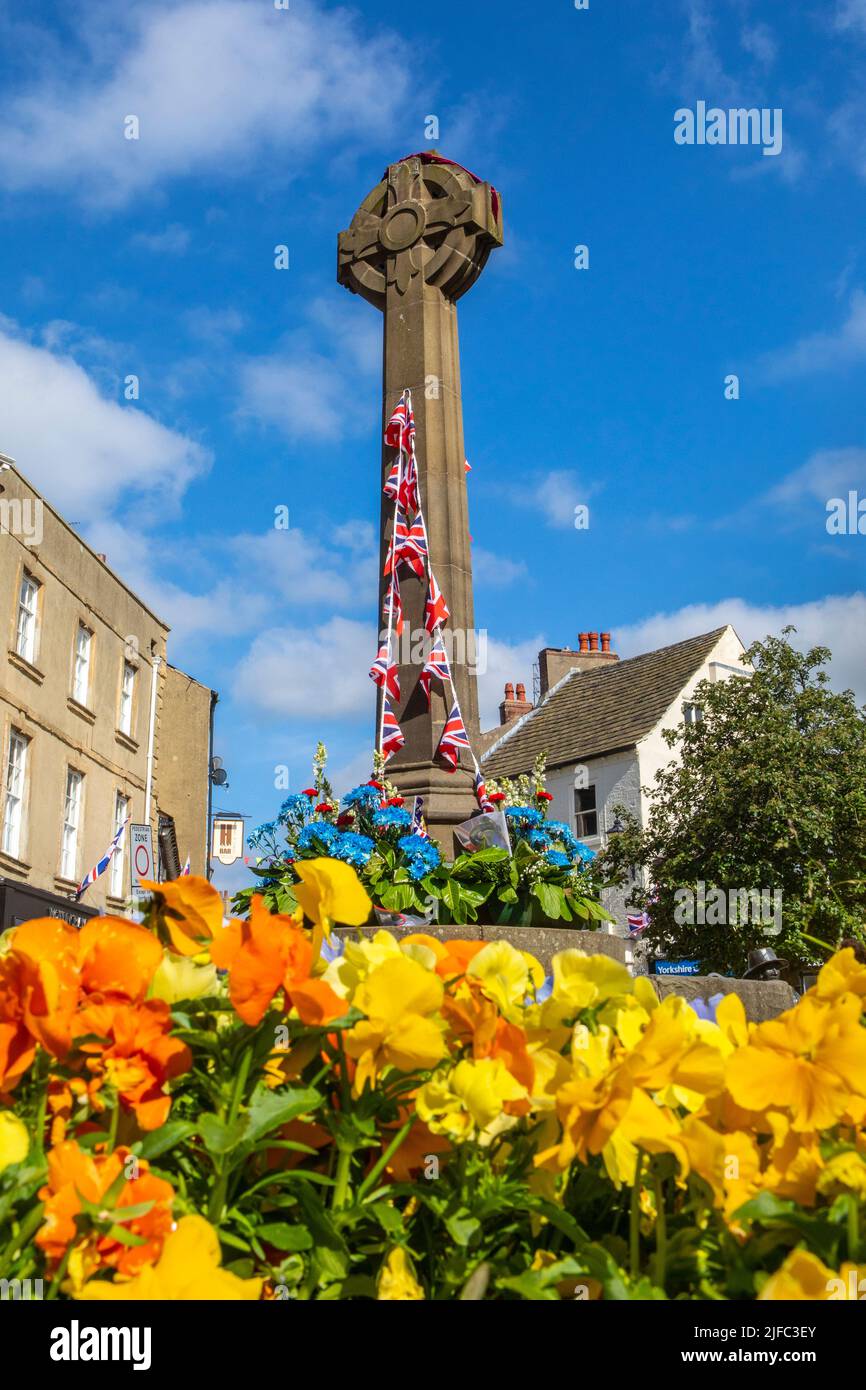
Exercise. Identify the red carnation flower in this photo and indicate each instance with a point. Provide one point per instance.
(543, 796)
(377, 785)
(345, 819)
(309, 791)
(324, 806)
(396, 801)
(496, 797)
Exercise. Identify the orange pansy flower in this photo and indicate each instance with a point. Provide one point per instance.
(74, 1174)
(134, 1053)
(191, 910)
(116, 957)
(263, 955)
(41, 971)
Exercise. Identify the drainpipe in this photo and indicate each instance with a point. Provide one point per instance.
(148, 790)
(208, 868)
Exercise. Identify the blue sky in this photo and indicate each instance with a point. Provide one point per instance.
(258, 387)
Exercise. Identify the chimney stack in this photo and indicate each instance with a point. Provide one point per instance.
(512, 708)
(555, 662)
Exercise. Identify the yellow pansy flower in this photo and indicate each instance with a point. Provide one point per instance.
(583, 982)
(397, 1283)
(506, 976)
(188, 1268)
(14, 1140)
(398, 998)
(809, 1062)
(843, 974)
(846, 1172)
(802, 1277)
(329, 892)
(358, 959)
(180, 977)
(469, 1102)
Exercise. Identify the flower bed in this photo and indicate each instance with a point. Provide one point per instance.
(193, 1110)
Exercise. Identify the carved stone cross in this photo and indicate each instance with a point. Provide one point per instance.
(417, 243)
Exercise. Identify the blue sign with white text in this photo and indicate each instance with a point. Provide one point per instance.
(678, 967)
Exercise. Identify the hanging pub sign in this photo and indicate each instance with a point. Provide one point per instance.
(227, 842)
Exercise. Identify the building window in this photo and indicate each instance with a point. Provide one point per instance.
(692, 713)
(585, 813)
(71, 824)
(28, 601)
(81, 673)
(127, 692)
(118, 859)
(13, 810)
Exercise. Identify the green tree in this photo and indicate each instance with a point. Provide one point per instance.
(768, 792)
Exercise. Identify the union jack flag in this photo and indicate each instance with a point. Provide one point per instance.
(408, 492)
(392, 735)
(481, 794)
(392, 608)
(386, 674)
(436, 609)
(418, 825)
(409, 545)
(637, 923)
(436, 667)
(184, 873)
(454, 737)
(104, 862)
(392, 482)
(400, 430)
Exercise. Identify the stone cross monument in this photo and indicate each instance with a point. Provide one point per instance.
(416, 244)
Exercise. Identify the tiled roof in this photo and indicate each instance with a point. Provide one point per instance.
(590, 713)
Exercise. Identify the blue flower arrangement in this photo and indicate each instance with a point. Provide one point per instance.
(391, 818)
(422, 856)
(363, 797)
(523, 818)
(318, 834)
(352, 849)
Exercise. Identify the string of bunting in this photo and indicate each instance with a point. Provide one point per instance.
(410, 546)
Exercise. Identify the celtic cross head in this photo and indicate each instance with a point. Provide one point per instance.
(424, 219)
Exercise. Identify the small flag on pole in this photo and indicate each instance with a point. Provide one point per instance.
(104, 862)
(400, 430)
(386, 674)
(637, 923)
(418, 826)
(436, 609)
(410, 545)
(481, 793)
(392, 735)
(454, 737)
(184, 873)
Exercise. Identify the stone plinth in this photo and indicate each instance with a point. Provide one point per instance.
(541, 942)
(762, 999)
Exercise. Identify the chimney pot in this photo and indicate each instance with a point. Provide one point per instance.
(509, 691)
(583, 639)
(593, 641)
(605, 641)
(521, 691)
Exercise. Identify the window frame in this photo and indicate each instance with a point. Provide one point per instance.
(127, 731)
(16, 737)
(82, 698)
(116, 868)
(581, 811)
(31, 647)
(71, 772)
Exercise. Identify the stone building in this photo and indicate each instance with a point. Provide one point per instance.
(600, 721)
(95, 726)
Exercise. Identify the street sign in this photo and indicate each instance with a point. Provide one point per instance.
(678, 967)
(227, 844)
(141, 860)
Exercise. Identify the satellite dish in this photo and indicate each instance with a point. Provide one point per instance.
(219, 777)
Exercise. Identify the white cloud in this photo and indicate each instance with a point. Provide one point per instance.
(823, 351)
(303, 570)
(310, 673)
(554, 495)
(172, 241)
(496, 571)
(308, 392)
(835, 622)
(81, 449)
(851, 14)
(827, 473)
(216, 85)
(214, 326)
(759, 41)
(506, 661)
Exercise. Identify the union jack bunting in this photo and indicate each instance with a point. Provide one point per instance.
(104, 862)
(386, 674)
(400, 431)
(409, 546)
(392, 735)
(436, 667)
(392, 608)
(454, 737)
(392, 482)
(408, 487)
(481, 794)
(637, 923)
(436, 609)
(184, 873)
